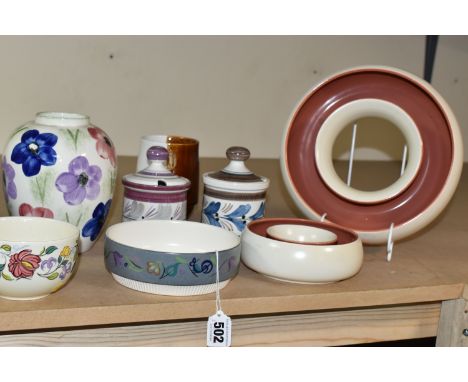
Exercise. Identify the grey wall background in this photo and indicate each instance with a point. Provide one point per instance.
(223, 90)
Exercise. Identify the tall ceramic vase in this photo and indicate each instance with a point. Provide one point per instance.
(60, 166)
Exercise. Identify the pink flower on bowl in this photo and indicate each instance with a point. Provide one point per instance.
(23, 264)
(27, 210)
(104, 145)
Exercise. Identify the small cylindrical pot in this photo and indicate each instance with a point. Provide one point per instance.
(183, 160)
(234, 196)
(155, 193)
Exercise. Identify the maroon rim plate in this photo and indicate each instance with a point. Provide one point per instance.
(433, 185)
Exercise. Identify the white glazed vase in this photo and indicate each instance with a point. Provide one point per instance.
(60, 166)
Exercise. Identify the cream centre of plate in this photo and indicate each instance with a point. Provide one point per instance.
(349, 113)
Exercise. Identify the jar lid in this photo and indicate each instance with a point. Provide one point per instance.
(156, 176)
(236, 176)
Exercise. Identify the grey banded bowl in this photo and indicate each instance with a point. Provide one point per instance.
(166, 257)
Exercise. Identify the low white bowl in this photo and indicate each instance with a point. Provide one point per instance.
(301, 263)
(37, 256)
(301, 234)
(176, 258)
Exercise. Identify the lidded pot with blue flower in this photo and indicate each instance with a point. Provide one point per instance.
(61, 166)
(234, 196)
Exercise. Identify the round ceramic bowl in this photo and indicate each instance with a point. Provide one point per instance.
(176, 258)
(37, 256)
(301, 234)
(301, 263)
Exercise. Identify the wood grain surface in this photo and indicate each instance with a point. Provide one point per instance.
(453, 323)
(308, 329)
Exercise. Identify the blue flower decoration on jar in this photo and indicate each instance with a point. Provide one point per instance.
(35, 150)
(239, 216)
(260, 212)
(211, 213)
(93, 226)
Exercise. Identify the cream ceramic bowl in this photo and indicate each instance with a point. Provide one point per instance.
(298, 262)
(37, 256)
(176, 258)
(301, 234)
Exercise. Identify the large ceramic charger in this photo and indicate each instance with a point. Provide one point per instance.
(426, 121)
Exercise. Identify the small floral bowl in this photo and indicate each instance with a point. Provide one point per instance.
(176, 258)
(37, 256)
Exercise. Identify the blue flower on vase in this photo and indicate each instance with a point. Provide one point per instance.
(35, 150)
(211, 213)
(93, 226)
(238, 217)
(260, 212)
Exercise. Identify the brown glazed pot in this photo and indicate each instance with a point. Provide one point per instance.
(184, 161)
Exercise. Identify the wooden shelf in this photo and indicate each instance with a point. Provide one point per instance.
(427, 269)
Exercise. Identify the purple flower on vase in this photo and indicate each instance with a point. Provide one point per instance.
(35, 150)
(9, 180)
(80, 182)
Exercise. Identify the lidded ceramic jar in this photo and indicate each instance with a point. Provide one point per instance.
(234, 196)
(155, 193)
(61, 166)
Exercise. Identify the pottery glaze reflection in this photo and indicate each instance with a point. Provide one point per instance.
(301, 234)
(62, 167)
(234, 196)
